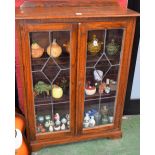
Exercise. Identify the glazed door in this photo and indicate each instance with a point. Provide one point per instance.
(104, 56)
(49, 58)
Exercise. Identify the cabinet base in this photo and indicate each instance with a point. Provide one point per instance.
(37, 145)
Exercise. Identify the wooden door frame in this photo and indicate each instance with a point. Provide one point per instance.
(27, 84)
(129, 27)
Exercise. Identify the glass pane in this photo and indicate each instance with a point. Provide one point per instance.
(50, 63)
(102, 68)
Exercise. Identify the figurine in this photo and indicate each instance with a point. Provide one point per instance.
(42, 87)
(40, 128)
(63, 120)
(57, 128)
(98, 75)
(107, 88)
(47, 117)
(105, 118)
(91, 112)
(63, 127)
(102, 87)
(54, 50)
(86, 121)
(41, 119)
(91, 121)
(68, 47)
(47, 124)
(68, 124)
(51, 128)
(94, 46)
(56, 116)
(43, 130)
(112, 48)
(90, 90)
(37, 51)
(57, 92)
(97, 117)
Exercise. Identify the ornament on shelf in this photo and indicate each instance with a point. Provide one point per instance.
(57, 92)
(37, 51)
(102, 87)
(86, 121)
(94, 46)
(51, 128)
(63, 127)
(98, 75)
(47, 124)
(40, 118)
(91, 121)
(57, 128)
(47, 117)
(105, 117)
(97, 117)
(107, 88)
(112, 48)
(54, 50)
(41, 87)
(90, 90)
(68, 120)
(63, 120)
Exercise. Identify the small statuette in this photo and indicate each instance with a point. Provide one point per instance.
(87, 118)
(57, 92)
(56, 117)
(47, 117)
(63, 127)
(56, 128)
(98, 75)
(41, 87)
(47, 124)
(68, 124)
(50, 128)
(90, 90)
(91, 121)
(41, 119)
(111, 119)
(67, 117)
(86, 121)
(54, 50)
(102, 88)
(94, 46)
(107, 88)
(112, 48)
(105, 118)
(63, 120)
(51, 123)
(97, 117)
(57, 122)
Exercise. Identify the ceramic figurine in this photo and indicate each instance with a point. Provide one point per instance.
(87, 118)
(47, 124)
(54, 50)
(113, 85)
(98, 75)
(102, 88)
(91, 112)
(105, 118)
(112, 48)
(57, 92)
(39, 127)
(91, 121)
(90, 90)
(85, 124)
(51, 123)
(63, 120)
(47, 117)
(41, 119)
(43, 130)
(57, 128)
(68, 47)
(56, 117)
(107, 88)
(97, 117)
(42, 87)
(111, 119)
(63, 127)
(50, 128)
(37, 51)
(94, 46)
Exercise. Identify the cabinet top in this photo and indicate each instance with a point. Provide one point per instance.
(73, 12)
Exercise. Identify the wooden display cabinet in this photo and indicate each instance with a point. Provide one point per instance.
(77, 71)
